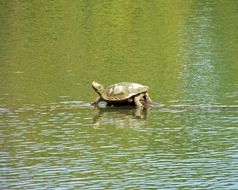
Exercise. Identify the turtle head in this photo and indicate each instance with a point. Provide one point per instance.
(98, 87)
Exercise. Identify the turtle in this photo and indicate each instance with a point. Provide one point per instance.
(122, 93)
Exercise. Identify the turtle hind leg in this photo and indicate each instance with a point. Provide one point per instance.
(137, 101)
(147, 98)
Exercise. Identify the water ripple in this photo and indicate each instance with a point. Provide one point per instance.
(59, 147)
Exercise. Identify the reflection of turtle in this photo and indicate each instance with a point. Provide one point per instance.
(122, 93)
(120, 117)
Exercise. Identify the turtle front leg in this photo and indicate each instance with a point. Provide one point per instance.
(138, 102)
(95, 103)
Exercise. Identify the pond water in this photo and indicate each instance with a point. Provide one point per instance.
(52, 138)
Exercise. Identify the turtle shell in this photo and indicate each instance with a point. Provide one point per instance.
(123, 91)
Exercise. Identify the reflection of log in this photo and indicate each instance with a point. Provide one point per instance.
(203, 106)
(200, 106)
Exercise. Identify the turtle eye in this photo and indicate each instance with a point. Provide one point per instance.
(99, 87)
